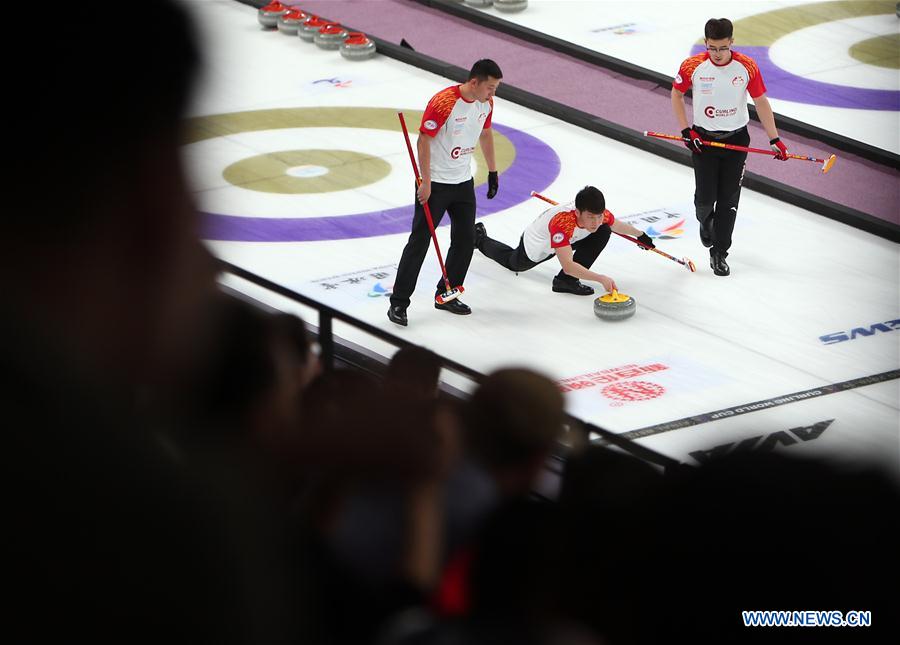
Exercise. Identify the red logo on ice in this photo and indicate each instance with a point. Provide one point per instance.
(633, 391)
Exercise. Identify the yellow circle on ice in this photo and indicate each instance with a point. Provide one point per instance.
(881, 51)
(267, 174)
(294, 172)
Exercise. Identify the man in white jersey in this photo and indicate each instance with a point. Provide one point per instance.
(721, 79)
(456, 119)
(575, 233)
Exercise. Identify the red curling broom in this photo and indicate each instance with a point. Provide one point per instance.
(451, 293)
(826, 163)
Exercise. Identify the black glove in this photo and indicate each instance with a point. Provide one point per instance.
(493, 184)
(646, 241)
(692, 140)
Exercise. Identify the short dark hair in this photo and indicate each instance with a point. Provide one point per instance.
(718, 29)
(485, 68)
(590, 199)
(416, 367)
(514, 416)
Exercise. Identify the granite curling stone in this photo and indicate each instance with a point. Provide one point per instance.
(330, 36)
(310, 27)
(357, 47)
(510, 6)
(289, 22)
(614, 306)
(269, 14)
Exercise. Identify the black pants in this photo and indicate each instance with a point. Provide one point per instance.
(718, 174)
(515, 259)
(459, 201)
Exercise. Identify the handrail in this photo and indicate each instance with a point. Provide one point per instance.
(327, 313)
(326, 342)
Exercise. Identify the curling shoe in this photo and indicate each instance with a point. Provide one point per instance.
(717, 262)
(397, 314)
(480, 234)
(572, 286)
(706, 232)
(454, 307)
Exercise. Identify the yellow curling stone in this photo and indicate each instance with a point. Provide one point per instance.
(614, 306)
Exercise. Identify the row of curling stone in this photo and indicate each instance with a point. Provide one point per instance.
(506, 6)
(292, 21)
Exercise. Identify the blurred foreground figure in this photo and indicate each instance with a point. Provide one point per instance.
(105, 289)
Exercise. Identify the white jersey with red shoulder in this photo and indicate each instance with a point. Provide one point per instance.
(454, 125)
(554, 228)
(720, 91)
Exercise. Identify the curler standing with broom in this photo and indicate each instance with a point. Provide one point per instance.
(721, 79)
(456, 120)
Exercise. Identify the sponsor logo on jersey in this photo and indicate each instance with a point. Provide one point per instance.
(709, 79)
(678, 79)
(737, 80)
(430, 125)
(461, 119)
(458, 152)
(713, 112)
(558, 237)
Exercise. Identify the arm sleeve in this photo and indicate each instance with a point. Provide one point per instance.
(436, 114)
(682, 81)
(609, 219)
(756, 86)
(558, 236)
(487, 121)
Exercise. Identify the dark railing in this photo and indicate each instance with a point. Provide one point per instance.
(326, 340)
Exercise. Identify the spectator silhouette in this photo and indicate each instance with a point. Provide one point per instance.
(375, 458)
(511, 425)
(250, 389)
(106, 294)
(415, 369)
